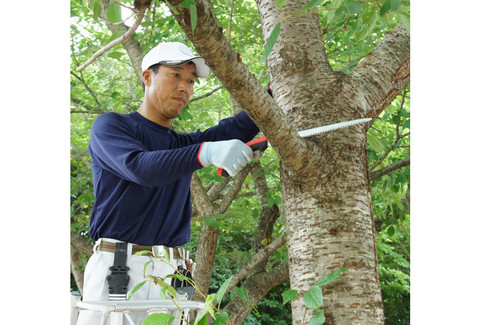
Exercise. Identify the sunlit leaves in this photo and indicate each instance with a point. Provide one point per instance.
(311, 4)
(158, 319)
(114, 13)
(272, 39)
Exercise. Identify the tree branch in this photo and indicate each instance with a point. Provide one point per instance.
(206, 94)
(233, 191)
(213, 46)
(390, 168)
(256, 260)
(258, 286)
(119, 40)
(381, 75)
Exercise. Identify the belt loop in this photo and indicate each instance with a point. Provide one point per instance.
(157, 250)
(129, 250)
(172, 257)
(97, 243)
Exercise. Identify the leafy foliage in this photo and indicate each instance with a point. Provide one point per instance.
(350, 30)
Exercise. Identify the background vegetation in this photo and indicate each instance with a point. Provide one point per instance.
(351, 30)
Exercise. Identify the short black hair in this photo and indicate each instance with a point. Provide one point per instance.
(154, 69)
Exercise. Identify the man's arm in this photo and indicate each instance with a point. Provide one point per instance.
(114, 147)
(239, 127)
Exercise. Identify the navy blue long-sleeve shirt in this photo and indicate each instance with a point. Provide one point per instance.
(142, 173)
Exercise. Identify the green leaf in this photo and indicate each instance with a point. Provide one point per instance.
(187, 3)
(395, 4)
(208, 304)
(405, 19)
(272, 39)
(164, 286)
(330, 277)
(332, 9)
(280, 3)
(313, 298)
(145, 265)
(354, 8)
(166, 254)
(203, 320)
(222, 289)
(97, 9)
(391, 231)
(135, 289)
(386, 7)
(318, 318)
(311, 4)
(115, 55)
(193, 16)
(172, 8)
(375, 143)
(114, 12)
(289, 295)
(243, 293)
(158, 319)
(369, 25)
(222, 318)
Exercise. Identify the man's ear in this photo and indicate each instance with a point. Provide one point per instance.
(147, 76)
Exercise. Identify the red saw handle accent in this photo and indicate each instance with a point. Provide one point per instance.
(257, 144)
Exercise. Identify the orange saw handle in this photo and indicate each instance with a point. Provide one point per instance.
(257, 144)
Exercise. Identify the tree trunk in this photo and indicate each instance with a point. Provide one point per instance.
(329, 226)
(325, 185)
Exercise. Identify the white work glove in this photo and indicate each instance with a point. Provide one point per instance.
(231, 155)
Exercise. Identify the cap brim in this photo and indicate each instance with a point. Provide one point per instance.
(202, 70)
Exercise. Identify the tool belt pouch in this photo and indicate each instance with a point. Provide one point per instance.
(118, 279)
(183, 286)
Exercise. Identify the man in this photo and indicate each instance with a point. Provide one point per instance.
(142, 171)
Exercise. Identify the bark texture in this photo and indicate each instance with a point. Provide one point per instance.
(325, 179)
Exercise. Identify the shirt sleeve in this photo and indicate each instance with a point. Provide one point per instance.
(239, 127)
(114, 148)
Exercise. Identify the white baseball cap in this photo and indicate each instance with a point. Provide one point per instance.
(174, 54)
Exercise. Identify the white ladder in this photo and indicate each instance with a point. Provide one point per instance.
(115, 310)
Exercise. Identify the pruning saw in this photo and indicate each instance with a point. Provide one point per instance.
(262, 143)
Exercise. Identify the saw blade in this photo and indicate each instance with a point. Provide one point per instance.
(331, 127)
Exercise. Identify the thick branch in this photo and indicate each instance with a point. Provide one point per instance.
(81, 243)
(385, 71)
(256, 260)
(258, 286)
(211, 43)
(390, 168)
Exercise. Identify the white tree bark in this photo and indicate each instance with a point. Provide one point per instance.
(325, 182)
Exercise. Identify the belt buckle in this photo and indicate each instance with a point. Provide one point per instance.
(157, 250)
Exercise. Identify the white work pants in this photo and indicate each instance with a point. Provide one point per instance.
(95, 286)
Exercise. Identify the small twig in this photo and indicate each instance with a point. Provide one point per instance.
(390, 168)
(206, 94)
(86, 86)
(119, 40)
(230, 21)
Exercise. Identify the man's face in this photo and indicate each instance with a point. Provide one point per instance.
(168, 91)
